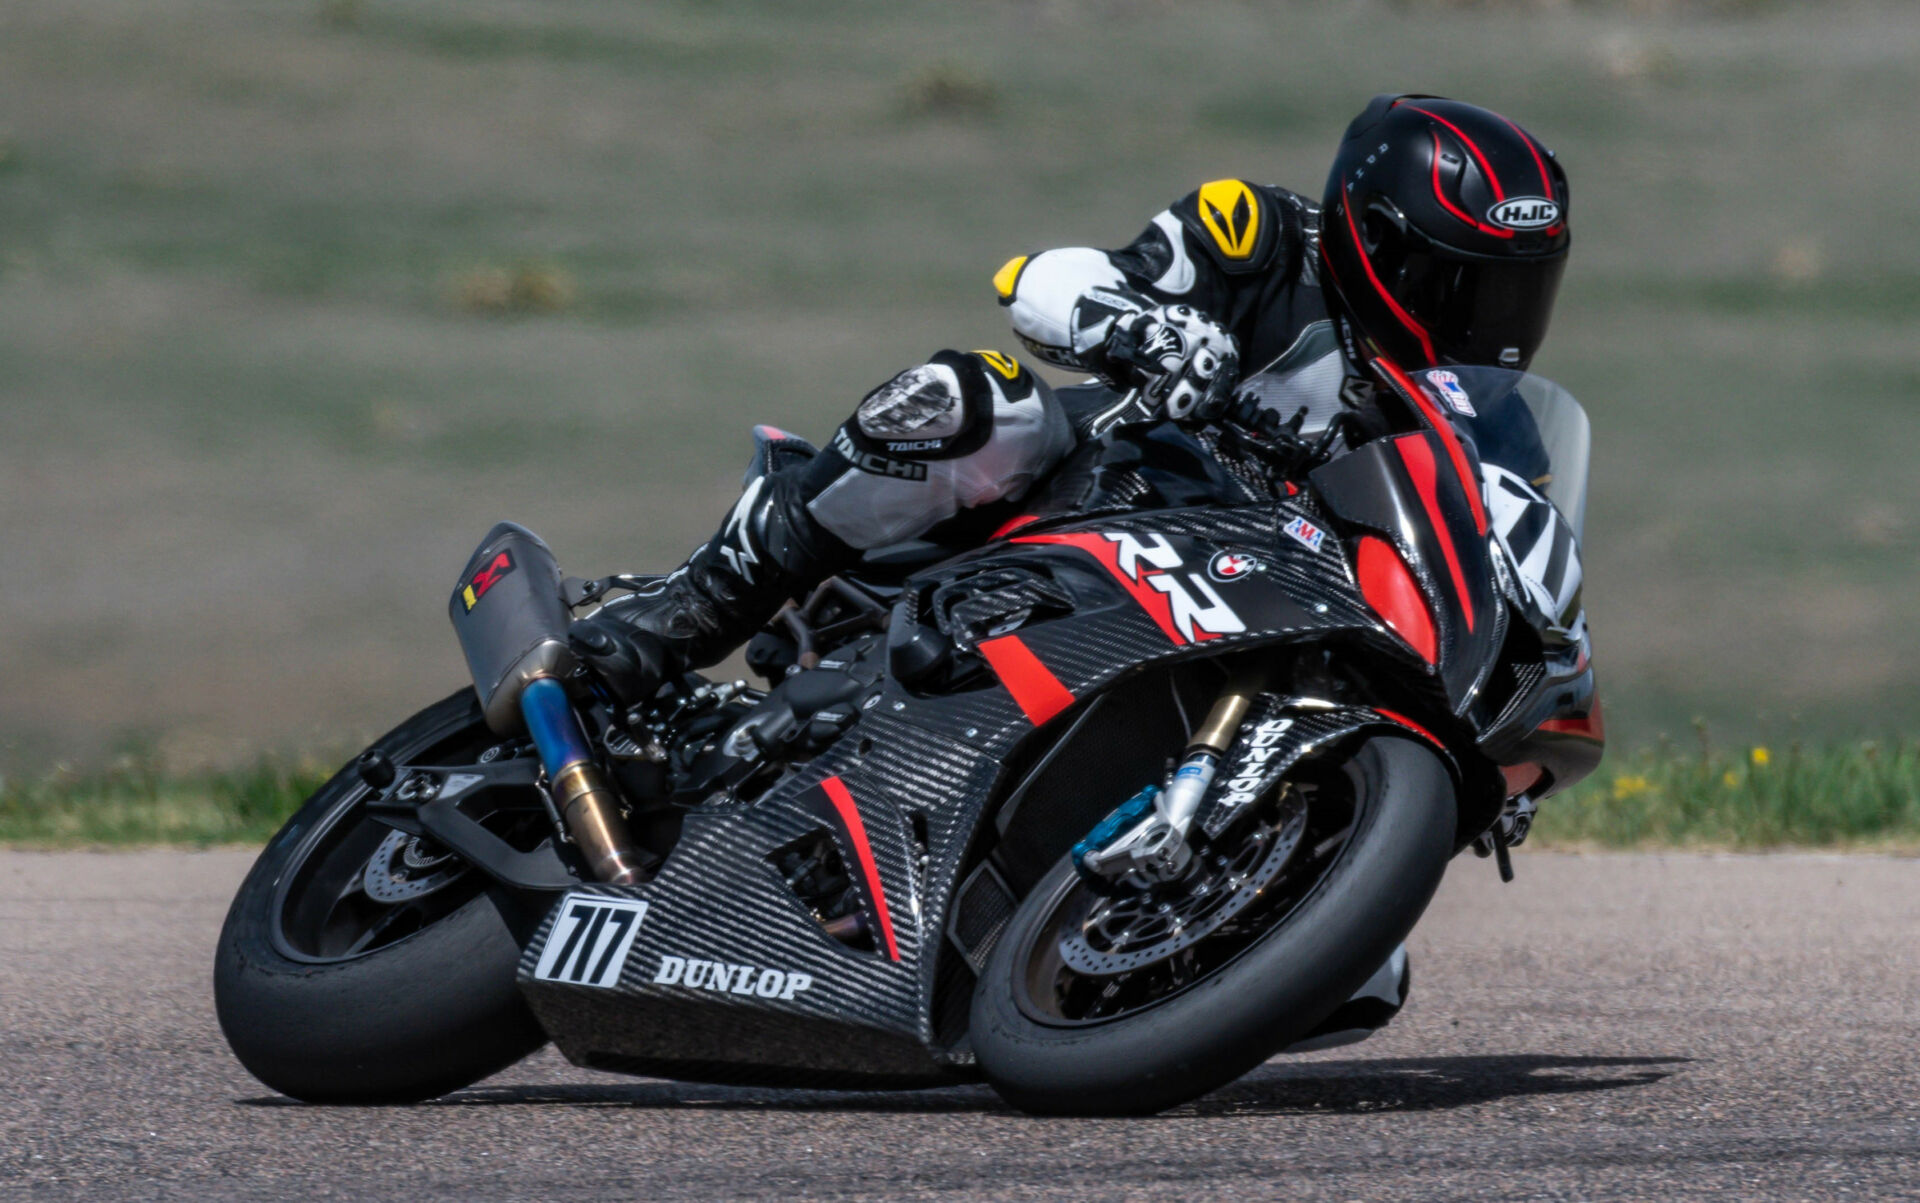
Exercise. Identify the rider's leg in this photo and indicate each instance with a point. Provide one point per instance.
(960, 431)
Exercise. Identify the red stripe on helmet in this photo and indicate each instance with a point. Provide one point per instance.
(1462, 214)
(1498, 193)
(1546, 181)
(1366, 261)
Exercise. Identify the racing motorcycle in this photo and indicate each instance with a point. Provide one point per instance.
(1106, 811)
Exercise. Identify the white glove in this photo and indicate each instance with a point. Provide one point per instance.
(1180, 358)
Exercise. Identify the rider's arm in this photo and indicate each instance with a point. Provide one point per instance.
(1216, 249)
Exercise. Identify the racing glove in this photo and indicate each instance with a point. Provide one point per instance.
(1182, 361)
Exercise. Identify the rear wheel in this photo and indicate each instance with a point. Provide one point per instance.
(360, 964)
(1129, 1004)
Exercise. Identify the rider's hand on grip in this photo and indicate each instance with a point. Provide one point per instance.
(1181, 358)
(631, 663)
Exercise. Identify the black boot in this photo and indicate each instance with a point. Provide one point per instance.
(768, 550)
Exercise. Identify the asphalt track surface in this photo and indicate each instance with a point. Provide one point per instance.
(1608, 1026)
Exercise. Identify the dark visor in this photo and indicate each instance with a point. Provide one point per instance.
(1482, 311)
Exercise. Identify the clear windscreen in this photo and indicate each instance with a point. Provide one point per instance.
(1528, 425)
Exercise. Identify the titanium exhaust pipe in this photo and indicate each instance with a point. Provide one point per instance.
(588, 806)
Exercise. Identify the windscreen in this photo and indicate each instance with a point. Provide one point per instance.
(1528, 425)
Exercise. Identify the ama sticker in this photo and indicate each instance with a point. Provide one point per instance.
(1450, 391)
(1307, 533)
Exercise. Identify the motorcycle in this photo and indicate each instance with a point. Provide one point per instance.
(1105, 812)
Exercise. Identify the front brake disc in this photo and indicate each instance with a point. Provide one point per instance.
(1122, 933)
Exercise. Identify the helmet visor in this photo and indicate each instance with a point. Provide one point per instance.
(1481, 311)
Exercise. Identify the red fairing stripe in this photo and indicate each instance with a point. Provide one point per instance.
(1039, 693)
(1444, 428)
(1389, 588)
(1498, 193)
(1366, 261)
(1157, 605)
(857, 831)
(1592, 725)
(1410, 725)
(1013, 524)
(1462, 214)
(1418, 457)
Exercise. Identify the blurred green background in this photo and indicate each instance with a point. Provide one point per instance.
(296, 299)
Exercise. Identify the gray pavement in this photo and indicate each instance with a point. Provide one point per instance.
(1608, 1026)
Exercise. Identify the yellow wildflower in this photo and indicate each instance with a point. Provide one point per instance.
(1629, 786)
(1761, 756)
(1730, 779)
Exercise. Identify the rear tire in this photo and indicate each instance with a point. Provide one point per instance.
(1269, 995)
(431, 1012)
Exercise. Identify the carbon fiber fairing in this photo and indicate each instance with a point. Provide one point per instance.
(728, 975)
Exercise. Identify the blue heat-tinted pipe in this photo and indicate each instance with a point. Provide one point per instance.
(555, 730)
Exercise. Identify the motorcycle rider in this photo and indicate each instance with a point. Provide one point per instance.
(1439, 239)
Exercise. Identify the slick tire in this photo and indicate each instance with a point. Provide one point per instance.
(1271, 995)
(431, 1013)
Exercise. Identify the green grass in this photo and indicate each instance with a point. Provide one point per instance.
(132, 802)
(1855, 795)
(262, 384)
(1836, 795)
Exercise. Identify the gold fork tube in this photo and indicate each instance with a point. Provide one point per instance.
(1229, 711)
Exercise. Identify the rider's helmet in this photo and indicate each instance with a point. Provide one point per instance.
(1443, 234)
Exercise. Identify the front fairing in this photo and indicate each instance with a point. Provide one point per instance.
(1533, 429)
(1407, 490)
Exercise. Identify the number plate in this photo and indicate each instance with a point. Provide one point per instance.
(590, 940)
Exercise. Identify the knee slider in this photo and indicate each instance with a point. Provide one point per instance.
(938, 410)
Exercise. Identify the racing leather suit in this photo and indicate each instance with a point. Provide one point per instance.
(1241, 254)
(931, 452)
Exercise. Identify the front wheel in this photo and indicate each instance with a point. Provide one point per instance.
(362, 965)
(1133, 1003)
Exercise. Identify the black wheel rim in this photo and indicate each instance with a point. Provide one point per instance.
(355, 886)
(1273, 860)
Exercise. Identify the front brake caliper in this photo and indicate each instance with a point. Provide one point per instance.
(1133, 845)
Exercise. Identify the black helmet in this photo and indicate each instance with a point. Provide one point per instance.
(1443, 234)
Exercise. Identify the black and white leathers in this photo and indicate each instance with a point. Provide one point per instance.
(1242, 254)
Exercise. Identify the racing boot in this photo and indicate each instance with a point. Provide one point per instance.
(768, 550)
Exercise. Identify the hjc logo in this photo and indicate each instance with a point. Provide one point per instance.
(1524, 213)
(1191, 618)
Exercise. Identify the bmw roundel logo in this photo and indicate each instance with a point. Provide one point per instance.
(1524, 213)
(1232, 566)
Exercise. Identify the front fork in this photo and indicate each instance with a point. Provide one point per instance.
(588, 806)
(1155, 848)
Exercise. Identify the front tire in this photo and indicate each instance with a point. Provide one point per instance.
(329, 996)
(1184, 1041)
